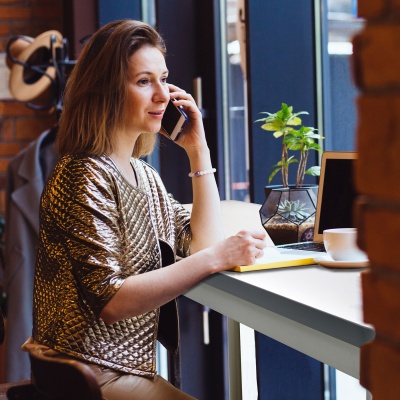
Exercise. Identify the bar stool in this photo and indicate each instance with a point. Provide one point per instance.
(52, 379)
(60, 379)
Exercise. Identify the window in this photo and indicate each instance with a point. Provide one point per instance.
(342, 24)
(338, 86)
(236, 138)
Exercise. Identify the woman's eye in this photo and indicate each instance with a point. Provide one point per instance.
(164, 80)
(143, 82)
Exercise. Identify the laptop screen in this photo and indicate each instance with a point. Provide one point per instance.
(336, 193)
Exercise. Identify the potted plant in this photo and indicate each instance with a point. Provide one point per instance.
(288, 212)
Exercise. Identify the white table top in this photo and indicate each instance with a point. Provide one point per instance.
(313, 309)
(323, 299)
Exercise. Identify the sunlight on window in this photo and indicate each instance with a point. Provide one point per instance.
(340, 48)
(343, 24)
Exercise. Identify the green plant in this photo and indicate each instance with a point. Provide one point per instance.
(282, 124)
(293, 210)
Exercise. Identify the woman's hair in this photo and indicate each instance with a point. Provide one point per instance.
(96, 92)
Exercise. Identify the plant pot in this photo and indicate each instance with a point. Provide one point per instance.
(288, 214)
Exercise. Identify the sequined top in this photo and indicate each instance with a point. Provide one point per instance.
(97, 230)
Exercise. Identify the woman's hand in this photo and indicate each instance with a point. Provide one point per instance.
(192, 138)
(242, 249)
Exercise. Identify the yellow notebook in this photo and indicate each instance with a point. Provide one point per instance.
(273, 258)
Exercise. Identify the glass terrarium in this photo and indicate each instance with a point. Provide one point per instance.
(288, 214)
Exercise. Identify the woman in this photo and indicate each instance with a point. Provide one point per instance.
(105, 216)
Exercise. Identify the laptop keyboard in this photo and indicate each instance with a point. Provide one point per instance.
(308, 246)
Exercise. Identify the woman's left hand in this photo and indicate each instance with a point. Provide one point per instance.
(192, 137)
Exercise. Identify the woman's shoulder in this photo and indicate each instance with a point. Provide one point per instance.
(83, 162)
(75, 167)
(77, 176)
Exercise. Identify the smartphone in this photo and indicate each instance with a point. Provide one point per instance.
(174, 120)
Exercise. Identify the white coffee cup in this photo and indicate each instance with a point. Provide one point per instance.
(341, 244)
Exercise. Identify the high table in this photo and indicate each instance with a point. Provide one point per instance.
(315, 310)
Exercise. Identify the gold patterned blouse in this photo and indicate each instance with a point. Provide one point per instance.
(97, 230)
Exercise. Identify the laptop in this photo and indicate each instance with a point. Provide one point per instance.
(334, 209)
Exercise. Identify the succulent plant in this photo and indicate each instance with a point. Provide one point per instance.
(293, 210)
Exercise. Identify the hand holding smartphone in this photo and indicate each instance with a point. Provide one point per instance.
(174, 120)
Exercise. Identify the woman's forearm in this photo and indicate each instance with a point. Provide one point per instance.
(144, 292)
(206, 219)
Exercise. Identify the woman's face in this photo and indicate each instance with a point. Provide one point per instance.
(148, 93)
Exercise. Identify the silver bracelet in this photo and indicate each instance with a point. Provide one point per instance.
(200, 173)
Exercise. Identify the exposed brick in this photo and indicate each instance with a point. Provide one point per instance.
(13, 108)
(31, 128)
(7, 130)
(9, 149)
(4, 164)
(380, 366)
(379, 230)
(382, 303)
(375, 60)
(395, 5)
(47, 12)
(378, 167)
(372, 9)
(5, 2)
(4, 29)
(10, 13)
(36, 27)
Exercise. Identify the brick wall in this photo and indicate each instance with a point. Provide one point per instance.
(376, 63)
(19, 125)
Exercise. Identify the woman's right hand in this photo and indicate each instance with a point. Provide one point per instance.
(242, 249)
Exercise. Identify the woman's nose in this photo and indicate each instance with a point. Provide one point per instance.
(161, 93)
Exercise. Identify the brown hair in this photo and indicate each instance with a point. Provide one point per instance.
(96, 91)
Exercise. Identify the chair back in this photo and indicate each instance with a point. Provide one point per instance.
(59, 379)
